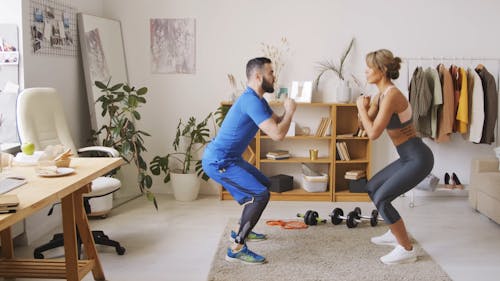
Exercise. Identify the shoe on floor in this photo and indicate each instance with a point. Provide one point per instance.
(399, 255)
(252, 237)
(385, 239)
(244, 256)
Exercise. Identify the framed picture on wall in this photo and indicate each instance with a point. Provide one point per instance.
(301, 91)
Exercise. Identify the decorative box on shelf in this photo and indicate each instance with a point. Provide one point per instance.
(281, 183)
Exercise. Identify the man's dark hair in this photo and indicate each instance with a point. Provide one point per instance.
(256, 63)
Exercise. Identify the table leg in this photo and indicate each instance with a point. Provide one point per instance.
(7, 245)
(86, 236)
(69, 233)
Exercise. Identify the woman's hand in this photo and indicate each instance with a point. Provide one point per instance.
(363, 102)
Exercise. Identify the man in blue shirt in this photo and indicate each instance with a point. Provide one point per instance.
(222, 160)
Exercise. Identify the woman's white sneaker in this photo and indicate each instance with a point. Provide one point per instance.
(385, 239)
(400, 255)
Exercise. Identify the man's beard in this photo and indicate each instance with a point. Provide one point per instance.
(267, 86)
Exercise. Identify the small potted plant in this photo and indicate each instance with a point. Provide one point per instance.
(183, 166)
(343, 90)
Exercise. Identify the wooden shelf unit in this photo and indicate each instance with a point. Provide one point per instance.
(344, 122)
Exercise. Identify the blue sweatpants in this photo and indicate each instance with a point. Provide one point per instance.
(243, 180)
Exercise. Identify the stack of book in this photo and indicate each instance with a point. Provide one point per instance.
(8, 203)
(360, 133)
(323, 126)
(278, 154)
(342, 151)
(355, 174)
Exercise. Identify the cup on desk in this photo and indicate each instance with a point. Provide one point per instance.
(313, 154)
(5, 160)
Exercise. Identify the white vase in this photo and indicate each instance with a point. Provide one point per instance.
(343, 92)
(186, 186)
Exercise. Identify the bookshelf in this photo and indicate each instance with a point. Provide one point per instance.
(343, 123)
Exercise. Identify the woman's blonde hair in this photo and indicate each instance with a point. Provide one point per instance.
(385, 61)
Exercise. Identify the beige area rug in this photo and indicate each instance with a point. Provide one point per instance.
(324, 252)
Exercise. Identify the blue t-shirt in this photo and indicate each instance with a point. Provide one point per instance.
(239, 126)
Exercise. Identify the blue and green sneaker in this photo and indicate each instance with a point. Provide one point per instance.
(252, 237)
(244, 256)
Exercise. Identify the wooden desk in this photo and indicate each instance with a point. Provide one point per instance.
(40, 192)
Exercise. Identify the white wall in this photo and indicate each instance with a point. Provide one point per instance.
(63, 73)
(229, 32)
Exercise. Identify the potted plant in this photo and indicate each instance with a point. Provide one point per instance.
(343, 90)
(183, 166)
(120, 103)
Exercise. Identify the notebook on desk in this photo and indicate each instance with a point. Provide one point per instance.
(8, 203)
(9, 183)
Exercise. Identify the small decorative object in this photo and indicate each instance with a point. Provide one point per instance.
(313, 154)
(301, 91)
(343, 89)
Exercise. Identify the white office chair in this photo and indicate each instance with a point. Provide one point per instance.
(41, 120)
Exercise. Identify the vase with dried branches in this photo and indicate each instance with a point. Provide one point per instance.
(343, 91)
(277, 56)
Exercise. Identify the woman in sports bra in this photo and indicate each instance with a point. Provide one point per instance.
(390, 110)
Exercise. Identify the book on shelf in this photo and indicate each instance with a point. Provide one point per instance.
(323, 126)
(360, 133)
(355, 174)
(278, 154)
(343, 151)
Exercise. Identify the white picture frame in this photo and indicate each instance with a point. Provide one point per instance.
(301, 91)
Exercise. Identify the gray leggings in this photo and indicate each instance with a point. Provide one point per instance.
(414, 164)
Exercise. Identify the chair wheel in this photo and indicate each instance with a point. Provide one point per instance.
(38, 256)
(120, 251)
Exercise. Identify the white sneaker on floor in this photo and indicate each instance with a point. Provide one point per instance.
(399, 255)
(385, 239)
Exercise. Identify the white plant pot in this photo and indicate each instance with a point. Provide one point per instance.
(343, 92)
(186, 186)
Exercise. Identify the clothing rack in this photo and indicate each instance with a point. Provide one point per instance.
(454, 60)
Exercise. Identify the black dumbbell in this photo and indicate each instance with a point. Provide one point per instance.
(352, 219)
(374, 219)
(311, 218)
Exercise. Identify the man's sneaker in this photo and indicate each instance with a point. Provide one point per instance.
(386, 239)
(252, 237)
(245, 256)
(400, 255)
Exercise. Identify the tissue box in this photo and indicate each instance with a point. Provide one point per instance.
(357, 186)
(281, 183)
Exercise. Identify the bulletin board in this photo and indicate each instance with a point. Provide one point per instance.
(53, 28)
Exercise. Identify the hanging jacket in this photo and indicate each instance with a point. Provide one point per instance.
(490, 105)
(432, 77)
(476, 121)
(462, 117)
(446, 115)
(420, 97)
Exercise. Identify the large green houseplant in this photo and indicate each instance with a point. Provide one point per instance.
(120, 103)
(190, 138)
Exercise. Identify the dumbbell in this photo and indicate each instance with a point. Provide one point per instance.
(374, 219)
(311, 218)
(337, 216)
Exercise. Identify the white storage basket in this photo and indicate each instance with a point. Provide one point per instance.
(315, 183)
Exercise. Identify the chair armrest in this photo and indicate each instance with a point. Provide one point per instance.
(109, 150)
(484, 165)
